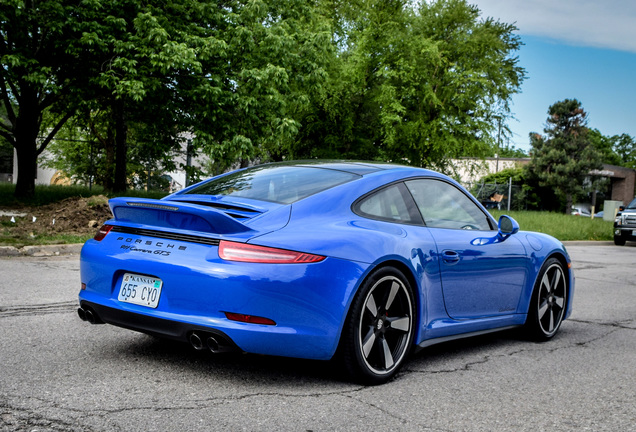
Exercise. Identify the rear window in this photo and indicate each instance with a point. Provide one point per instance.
(279, 184)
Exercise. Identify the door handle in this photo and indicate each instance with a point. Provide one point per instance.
(450, 256)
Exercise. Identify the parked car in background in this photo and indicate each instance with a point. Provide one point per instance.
(625, 224)
(581, 211)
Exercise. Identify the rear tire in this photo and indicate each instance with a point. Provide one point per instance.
(379, 331)
(548, 303)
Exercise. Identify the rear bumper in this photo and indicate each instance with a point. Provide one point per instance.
(308, 302)
(148, 324)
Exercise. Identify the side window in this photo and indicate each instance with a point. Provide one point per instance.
(392, 203)
(442, 205)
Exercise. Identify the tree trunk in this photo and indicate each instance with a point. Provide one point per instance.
(27, 169)
(109, 148)
(27, 127)
(568, 207)
(121, 148)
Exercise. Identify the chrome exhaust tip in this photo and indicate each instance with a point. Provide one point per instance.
(196, 342)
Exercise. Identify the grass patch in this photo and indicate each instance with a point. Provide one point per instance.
(563, 227)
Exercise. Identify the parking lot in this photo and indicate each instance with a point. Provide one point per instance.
(61, 374)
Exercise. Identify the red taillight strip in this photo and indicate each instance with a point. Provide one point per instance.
(251, 319)
(243, 252)
(105, 229)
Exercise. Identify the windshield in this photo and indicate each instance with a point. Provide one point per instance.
(632, 205)
(276, 183)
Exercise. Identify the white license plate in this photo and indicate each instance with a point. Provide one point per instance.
(140, 290)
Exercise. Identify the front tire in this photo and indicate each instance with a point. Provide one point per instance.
(548, 303)
(379, 331)
(619, 241)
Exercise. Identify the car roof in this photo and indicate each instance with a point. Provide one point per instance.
(353, 167)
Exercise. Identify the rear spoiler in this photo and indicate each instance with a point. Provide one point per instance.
(175, 215)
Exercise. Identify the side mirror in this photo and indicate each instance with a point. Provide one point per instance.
(507, 226)
(621, 208)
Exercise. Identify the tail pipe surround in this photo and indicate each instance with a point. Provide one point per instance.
(215, 343)
(87, 314)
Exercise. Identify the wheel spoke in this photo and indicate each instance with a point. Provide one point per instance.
(560, 301)
(367, 343)
(543, 308)
(394, 290)
(371, 306)
(388, 357)
(551, 324)
(401, 324)
(545, 281)
(555, 280)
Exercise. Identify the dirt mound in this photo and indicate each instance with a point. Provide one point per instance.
(73, 216)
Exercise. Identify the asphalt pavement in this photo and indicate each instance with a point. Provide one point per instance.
(61, 374)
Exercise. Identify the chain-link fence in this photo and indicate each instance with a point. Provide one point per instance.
(504, 196)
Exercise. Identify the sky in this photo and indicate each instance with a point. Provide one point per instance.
(573, 49)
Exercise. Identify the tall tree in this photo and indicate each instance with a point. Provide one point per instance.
(37, 75)
(624, 146)
(419, 82)
(235, 75)
(605, 147)
(565, 155)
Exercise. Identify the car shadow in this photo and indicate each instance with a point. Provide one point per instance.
(248, 367)
(264, 369)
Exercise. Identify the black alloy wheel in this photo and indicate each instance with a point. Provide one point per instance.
(549, 301)
(379, 331)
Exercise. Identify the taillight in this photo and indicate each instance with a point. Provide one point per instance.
(249, 318)
(243, 252)
(105, 229)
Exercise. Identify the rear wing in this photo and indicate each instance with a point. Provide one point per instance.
(175, 215)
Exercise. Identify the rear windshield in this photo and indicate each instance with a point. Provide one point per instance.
(279, 184)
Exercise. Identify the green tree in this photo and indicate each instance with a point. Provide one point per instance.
(414, 82)
(250, 100)
(625, 147)
(37, 75)
(605, 147)
(142, 74)
(564, 157)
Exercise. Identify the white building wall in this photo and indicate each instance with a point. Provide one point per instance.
(43, 175)
(470, 170)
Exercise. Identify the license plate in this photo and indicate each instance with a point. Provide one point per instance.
(140, 290)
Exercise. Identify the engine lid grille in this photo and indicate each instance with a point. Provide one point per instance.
(165, 235)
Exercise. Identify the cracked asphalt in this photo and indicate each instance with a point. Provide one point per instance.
(60, 374)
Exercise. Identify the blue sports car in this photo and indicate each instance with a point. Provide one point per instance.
(316, 259)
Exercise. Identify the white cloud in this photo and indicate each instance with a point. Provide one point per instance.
(593, 23)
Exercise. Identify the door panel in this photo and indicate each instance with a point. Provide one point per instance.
(479, 280)
(481, 275)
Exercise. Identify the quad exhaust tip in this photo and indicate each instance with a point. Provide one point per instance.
(88, 315)
(215, 343)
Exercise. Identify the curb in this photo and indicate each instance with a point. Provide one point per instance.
(41, 250)
(588, 243)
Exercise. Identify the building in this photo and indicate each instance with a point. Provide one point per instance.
(470, 170)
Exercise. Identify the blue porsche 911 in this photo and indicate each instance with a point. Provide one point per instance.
(313, 259)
